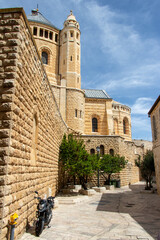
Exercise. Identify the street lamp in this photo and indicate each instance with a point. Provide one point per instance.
(98, 151)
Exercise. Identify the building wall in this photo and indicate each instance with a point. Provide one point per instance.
(51, 47)
(147, 145)
(75, 102)
(156, 141)
(95, 108)
(120, 113)
(128, 149)
(31, 127)
(107, 113)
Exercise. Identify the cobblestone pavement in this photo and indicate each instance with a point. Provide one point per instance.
(120, 214)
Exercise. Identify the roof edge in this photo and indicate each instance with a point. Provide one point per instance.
(9, 10)
(154, 105)
(50, 25)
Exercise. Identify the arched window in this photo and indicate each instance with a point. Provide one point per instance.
(111, 152)
(45, 58)
(125, 126)
(34, 139)
(101, 150)
(154, 128)
(94, 125)
(92, 151)
(115, 126)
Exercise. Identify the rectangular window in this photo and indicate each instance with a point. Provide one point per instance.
(77, 57)
(51, 35)
(63, 62)
(34, 31)
(46, 34)
(56, 37)
(41, 33)
(76, 111)
(65, 35)
(71, 34)
(80, 114)
(71, 58)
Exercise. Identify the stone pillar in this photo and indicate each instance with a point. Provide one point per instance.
(109, 119)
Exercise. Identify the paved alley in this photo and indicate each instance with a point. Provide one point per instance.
(126, 213)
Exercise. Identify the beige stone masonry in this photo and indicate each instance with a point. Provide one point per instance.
(31, 126)
(127, 149)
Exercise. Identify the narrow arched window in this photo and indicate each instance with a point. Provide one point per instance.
(45, 58)
(101, 150)
(111, 152)
(154, 128)
(92, 151)
(125, 126)
(34, 139)
(94, 125)
(115, 126)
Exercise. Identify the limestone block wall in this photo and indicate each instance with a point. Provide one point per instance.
(148, 145)
(56, 91)
(128, 149)
(96, 108)
(155, 125)
(31, 127)
(75, 109)
(120, 113)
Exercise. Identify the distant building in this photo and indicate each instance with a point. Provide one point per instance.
(154, 114)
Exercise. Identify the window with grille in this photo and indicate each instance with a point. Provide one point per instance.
(94, 125)
(45, 57)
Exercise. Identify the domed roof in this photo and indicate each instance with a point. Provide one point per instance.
(71, 17)
(36, 16)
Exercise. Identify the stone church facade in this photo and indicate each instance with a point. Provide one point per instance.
(40, 100)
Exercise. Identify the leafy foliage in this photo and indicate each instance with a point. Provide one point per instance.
(75, 159)
(146, 167)
(112, 164)
(78, 164)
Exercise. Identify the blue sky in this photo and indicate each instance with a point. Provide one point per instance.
(120, 49)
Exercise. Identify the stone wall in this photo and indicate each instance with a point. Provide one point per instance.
(75, 102)
(147, 145)
(31, 127)
(51, 47)
(128, 149)
(155, 124)
(96, 108)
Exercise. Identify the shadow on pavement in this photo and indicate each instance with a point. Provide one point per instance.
(144, 208)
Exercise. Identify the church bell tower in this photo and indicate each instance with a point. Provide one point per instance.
(70, 53)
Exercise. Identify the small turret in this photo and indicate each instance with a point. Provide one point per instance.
(71, 21)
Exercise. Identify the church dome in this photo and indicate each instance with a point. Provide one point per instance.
(71, 21)
(71, 17)
(36, 16)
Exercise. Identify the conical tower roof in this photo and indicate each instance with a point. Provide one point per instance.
(36, 16)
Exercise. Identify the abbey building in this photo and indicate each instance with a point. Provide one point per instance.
(87, 111)
(40, 100)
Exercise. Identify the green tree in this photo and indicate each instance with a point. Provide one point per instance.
(146, 167)
(76, 162)
(111, 164)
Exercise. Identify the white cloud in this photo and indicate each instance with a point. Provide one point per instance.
(119, 39)
(142, 105)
